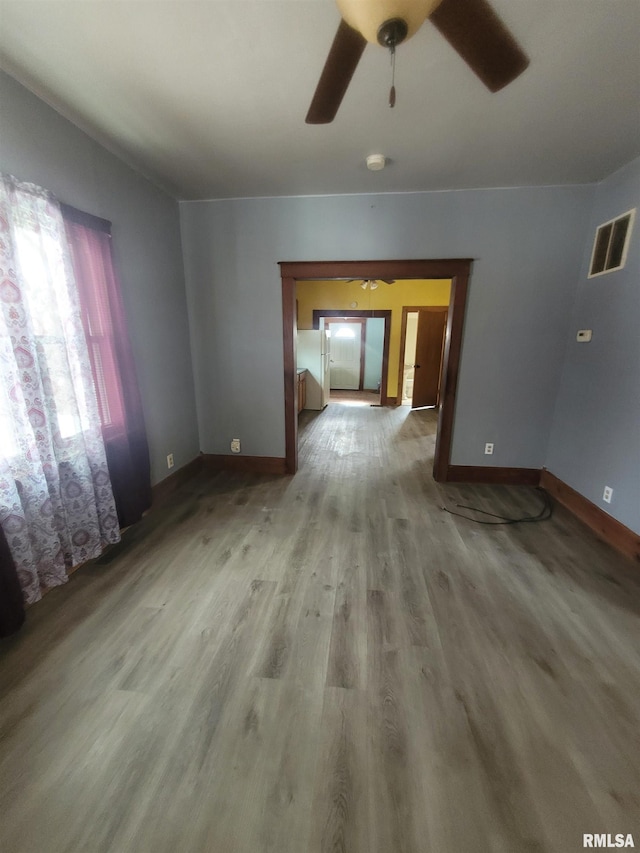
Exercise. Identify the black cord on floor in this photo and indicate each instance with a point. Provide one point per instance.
(544, 515)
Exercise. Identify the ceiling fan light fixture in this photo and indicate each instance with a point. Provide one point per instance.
(368, 17)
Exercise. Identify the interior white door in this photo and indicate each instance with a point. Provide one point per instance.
(346, 353)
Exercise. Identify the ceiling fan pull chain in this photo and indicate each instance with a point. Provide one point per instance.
(392, 91)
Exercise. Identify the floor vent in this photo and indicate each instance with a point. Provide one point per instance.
(611, 244)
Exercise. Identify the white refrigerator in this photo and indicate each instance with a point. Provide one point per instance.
(314, 356)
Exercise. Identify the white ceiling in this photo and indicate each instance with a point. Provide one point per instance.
(208, 97)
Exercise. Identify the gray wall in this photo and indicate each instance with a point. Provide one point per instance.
(38, 145)
(529, 294)
(527, 246)
(373, 351)
(595, 439)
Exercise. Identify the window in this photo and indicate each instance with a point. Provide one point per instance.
(111, 360)
(48, 300)
(89, 241)
(74, 458)
(611, 244)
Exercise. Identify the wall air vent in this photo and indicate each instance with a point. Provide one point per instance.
(611, 244)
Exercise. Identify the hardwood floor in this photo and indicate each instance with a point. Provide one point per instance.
(329, 663)
(364, 398)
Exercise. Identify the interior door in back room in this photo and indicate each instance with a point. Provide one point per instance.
(432, 325)
(346, 355)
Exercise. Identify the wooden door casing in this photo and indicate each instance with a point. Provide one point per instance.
(457, 270)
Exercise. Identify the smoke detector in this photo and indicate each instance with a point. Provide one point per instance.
(375, 162)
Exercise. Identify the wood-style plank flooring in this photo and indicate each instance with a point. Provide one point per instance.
(329, 663)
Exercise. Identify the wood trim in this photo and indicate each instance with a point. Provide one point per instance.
(492, 475)
(289, 329)
(249, 464)
(330, 270)
(162, 490)
(607, 528)
(331, 314)
(450, 370)
(344, 314)
(386, 346)
(457, 270)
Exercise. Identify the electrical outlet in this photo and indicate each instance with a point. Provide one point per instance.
(608, 494)
(235, 445)
(169, 460)
(488, 448)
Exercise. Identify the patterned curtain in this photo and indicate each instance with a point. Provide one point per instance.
(56, 502)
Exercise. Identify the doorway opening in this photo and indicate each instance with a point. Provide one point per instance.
(347, 340)
(457, 271)
(373, 365)
(422, 345)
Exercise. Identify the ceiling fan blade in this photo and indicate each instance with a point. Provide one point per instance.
(388, 280)
(476, 32)
(342, 61)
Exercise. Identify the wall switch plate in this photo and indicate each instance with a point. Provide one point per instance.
(584, 336)
(488, 448)
(608, 494)
(235, 445)
(169, 460)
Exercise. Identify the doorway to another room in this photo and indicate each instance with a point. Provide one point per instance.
(422, 343)
(359, 354)
(306, 283)
(346, 363)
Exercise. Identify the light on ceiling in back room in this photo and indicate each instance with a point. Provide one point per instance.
(375, 162)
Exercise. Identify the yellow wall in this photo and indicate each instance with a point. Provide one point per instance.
(339, 295)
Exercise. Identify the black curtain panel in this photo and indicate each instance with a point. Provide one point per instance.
(11, 602)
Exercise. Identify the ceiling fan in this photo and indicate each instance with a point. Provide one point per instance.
(471, 27)
(371, 283)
